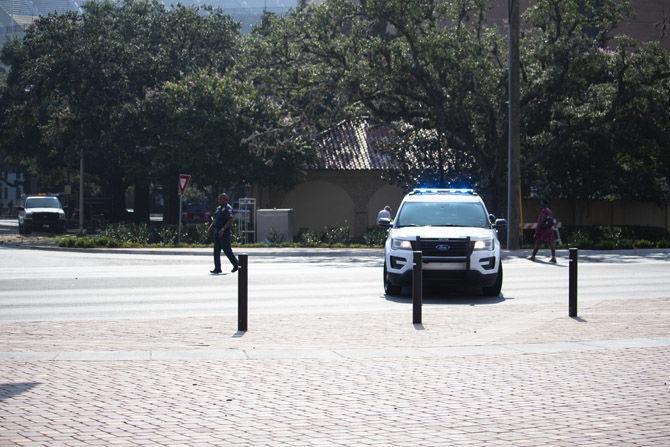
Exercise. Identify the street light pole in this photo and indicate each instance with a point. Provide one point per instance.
(514, 130)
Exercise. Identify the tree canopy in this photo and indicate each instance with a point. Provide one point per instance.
(145, 91)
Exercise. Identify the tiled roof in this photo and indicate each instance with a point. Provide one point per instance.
(351, 146)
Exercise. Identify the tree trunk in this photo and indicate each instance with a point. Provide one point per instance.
(141, 206)
(170, 215)
(118, 190)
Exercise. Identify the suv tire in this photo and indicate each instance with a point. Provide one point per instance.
(495, 289)
(390, 289)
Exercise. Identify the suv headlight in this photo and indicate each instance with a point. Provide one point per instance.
(485, 244)
(402, 244)
(61, 215)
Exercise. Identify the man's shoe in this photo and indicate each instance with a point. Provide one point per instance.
(215, 272)
(236, 268)
(532, 258)
(553, 260)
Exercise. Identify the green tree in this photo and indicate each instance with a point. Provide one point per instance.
(72, 76)
(431, 69)
(595, 108)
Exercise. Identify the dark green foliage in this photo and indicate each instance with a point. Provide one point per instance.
(612, 237)
(375, 236)
(144, 92)
(330, 236)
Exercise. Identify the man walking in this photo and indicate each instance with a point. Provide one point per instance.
(220, 229)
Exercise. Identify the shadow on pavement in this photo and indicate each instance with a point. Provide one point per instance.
(336, 261)
(460, 297)
(598, 256)
(9, 390)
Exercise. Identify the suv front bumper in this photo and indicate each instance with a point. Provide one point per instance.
(467, 277)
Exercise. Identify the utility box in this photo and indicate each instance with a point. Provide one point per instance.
(274, 225)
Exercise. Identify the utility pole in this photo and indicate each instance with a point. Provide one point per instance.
(81, 190)
(514, 130)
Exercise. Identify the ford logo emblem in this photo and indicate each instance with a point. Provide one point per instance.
(442, 247)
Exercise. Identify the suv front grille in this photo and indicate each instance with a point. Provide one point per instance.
(45, 217)
(445, 247)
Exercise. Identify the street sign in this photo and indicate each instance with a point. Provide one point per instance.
(183, 182)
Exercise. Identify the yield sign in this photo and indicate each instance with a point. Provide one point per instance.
(183, 182)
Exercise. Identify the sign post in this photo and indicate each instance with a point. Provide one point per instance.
(183, 183)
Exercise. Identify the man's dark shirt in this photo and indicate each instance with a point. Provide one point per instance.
(221, 216)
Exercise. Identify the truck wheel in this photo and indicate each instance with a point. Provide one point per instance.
(389, 289)
(495, 289)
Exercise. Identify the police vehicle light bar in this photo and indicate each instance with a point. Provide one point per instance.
(464, 191)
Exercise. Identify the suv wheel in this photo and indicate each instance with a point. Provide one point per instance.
(495, 289)
(389, 289)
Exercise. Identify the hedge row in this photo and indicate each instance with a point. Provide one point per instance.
(134, 235)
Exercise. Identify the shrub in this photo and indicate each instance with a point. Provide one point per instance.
(67, 241)
(195, 234)
(375, 236)
(165, 235)
(336, 235)
(605, 245)
(275, 238)
(663, 243)
(580, 239)
(84, 242)
(643, 243)
(625, 243)
(308, 238)
(127, 233)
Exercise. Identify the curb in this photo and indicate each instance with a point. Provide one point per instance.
(304, 252)
(340, 353)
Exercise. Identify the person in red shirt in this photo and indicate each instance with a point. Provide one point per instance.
(544, 231)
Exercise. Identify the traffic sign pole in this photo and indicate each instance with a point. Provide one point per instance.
(183, 183)
(181, 195)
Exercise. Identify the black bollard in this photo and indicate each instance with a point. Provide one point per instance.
(572, 283)
(417, 287)
(242, 293)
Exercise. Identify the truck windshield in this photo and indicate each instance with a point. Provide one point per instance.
(42, 202)
(442, 214)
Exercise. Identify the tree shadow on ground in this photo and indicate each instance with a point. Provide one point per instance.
(9, 390)
(435, 294)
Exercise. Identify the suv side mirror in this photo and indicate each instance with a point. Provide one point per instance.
(492, 219)
(384, 222)
(500, 223)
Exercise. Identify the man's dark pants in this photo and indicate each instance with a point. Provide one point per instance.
(223, 243)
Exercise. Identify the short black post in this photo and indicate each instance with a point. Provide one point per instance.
(572, 283)
(242, 293)
(417, 287)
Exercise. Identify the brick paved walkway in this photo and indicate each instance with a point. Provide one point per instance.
(473, 375)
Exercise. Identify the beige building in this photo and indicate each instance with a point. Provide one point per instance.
(343, 187)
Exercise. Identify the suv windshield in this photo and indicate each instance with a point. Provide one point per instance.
(42, 202)
(442, 214)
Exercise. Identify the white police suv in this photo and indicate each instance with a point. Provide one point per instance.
(458, 239)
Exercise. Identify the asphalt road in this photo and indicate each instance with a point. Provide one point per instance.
(38, 285)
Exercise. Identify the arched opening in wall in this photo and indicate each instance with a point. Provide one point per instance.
(386, 195)
(319, 204)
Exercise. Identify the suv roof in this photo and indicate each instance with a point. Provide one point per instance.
(442, 195)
